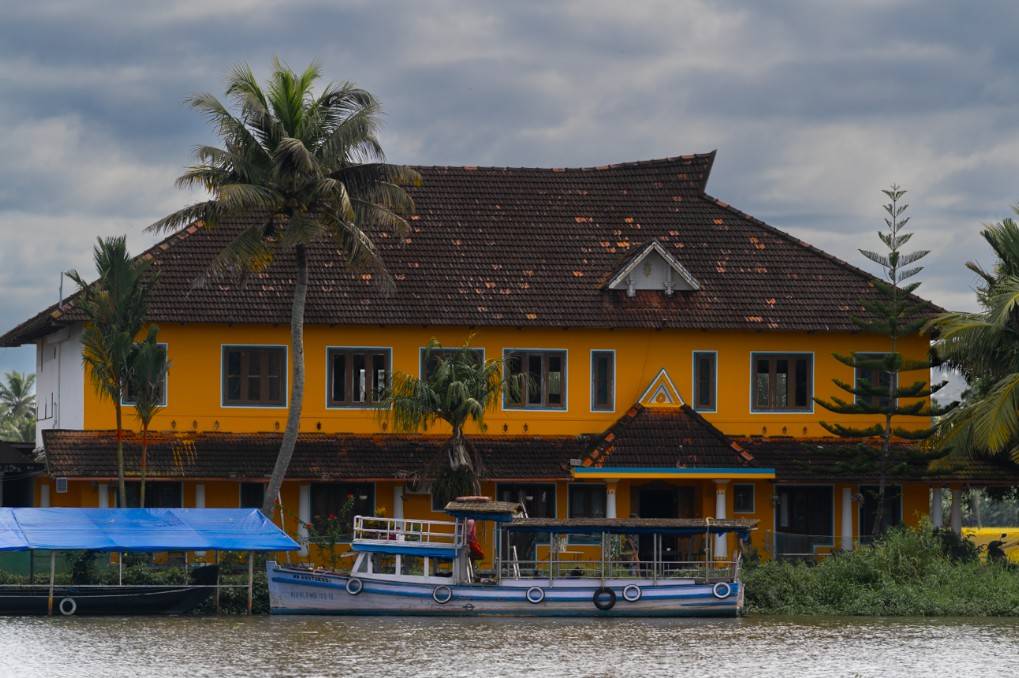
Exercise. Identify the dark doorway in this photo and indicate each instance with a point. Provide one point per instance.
(539, 502)
(17, 490)
(663, 501)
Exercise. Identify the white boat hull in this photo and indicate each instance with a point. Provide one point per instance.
(296, 591)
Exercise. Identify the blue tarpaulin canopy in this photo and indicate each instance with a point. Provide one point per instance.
(154, 529)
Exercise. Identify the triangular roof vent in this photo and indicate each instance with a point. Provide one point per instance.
(653, 268)
(661, 392)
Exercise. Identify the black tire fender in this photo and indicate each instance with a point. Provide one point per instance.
(604, 598)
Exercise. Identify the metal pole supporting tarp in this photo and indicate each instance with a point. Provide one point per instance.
(251, 580)
(53, 575)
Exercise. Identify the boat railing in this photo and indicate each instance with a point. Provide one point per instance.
(696, 570)
(430, 532)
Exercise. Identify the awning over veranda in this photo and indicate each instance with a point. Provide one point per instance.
(130, 530)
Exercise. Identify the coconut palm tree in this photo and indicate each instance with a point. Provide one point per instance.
(984, 348)
(17, 407)
(307, 168)
(115, 306)
(456, 388)
(148, 367)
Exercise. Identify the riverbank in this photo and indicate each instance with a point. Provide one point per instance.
(914, 572)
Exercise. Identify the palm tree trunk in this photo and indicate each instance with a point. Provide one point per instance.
(144, 463)
(279, 471)
(121, 485)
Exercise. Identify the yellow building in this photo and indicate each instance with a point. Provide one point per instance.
(675, 347)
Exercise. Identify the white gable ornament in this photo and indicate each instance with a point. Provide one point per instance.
(653, 268)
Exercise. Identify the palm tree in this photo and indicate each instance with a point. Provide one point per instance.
(456, 388)
(148, 367)
(984, 348)
(115, 306)
(17, 407)
(308, 169)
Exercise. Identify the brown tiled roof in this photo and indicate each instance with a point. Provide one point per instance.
(828, 459)
(665, 437)
(527, 247)
(318, 456)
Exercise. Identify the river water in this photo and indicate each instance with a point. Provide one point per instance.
(421, 647)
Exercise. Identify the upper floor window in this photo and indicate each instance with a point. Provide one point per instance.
(704, 380)
(254, 375)
(603, 381)
(545, 385)
(782, 382)
(357, 376)
(130, 397)
(875, 376)
(430, 358)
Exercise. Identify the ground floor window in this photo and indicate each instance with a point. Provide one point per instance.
(587, 501)
(342, 499)
(157, 494)
(804, 518)
(252, 495)
(869, 505)
(539, 502)
(743, 498)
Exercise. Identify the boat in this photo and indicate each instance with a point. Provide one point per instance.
(103, 530)
(632, 567)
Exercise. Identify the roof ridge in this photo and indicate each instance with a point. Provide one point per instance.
(804, 244)
(708, 157)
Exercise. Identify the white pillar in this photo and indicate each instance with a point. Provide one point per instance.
(199, 495)
(104, 495)
(937, 519)
(956, 510)
(610, 499)
(847, 519)
(303, 517)
(44, 495)
(398, 501)
(721, 541)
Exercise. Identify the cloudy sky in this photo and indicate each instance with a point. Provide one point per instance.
(813, 109)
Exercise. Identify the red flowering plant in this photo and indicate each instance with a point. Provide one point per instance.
(329, 530)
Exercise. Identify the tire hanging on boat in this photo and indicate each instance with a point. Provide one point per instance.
(632, 593)
(604, 598)
(721, 590)
(354, 586)
(442, 594)
(535, 595)
(70, 609)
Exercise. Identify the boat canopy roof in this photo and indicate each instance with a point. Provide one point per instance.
(670, 526)
(483, 508)
(152, 529)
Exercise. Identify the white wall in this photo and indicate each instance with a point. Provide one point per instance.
(60, 382)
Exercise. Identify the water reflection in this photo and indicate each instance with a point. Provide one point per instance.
(420, 648)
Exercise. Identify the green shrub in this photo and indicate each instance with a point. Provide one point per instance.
(908, 572)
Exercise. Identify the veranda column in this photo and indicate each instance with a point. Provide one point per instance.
(847, 519)
(200, 495)
(104, 495)
(721, 541)
(398, 501)
(610, 499)
(956, 510)
(303, 517)
(937, 519)
(44, 495)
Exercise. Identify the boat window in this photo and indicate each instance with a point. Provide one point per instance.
(342, 499)
(358, 377)
(871, 374)
(782, 382)
(586, 501)
(743, 498)
(254, 375)
(704, 380)
(868, 509)
(252, 495)
(603, 378)
(545, 372)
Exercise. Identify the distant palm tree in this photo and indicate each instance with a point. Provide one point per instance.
(17, 407)
(308, 169)
(456, 388)
(148, 367)
(115, 306)
(984, 347)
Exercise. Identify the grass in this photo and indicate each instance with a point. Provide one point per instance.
(909, 572)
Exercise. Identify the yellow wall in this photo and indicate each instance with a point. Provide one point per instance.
(194, 378)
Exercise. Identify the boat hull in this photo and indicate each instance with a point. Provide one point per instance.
(295, 591)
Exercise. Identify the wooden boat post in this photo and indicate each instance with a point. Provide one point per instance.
(53, 576)
(251, 580)
(216, 556)
(120, 568)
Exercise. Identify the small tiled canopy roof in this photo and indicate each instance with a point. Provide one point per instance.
(318, 456)
(665, 437)
(523, 247)
(17, 458)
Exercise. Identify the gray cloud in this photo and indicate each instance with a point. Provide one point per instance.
(813, 106)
